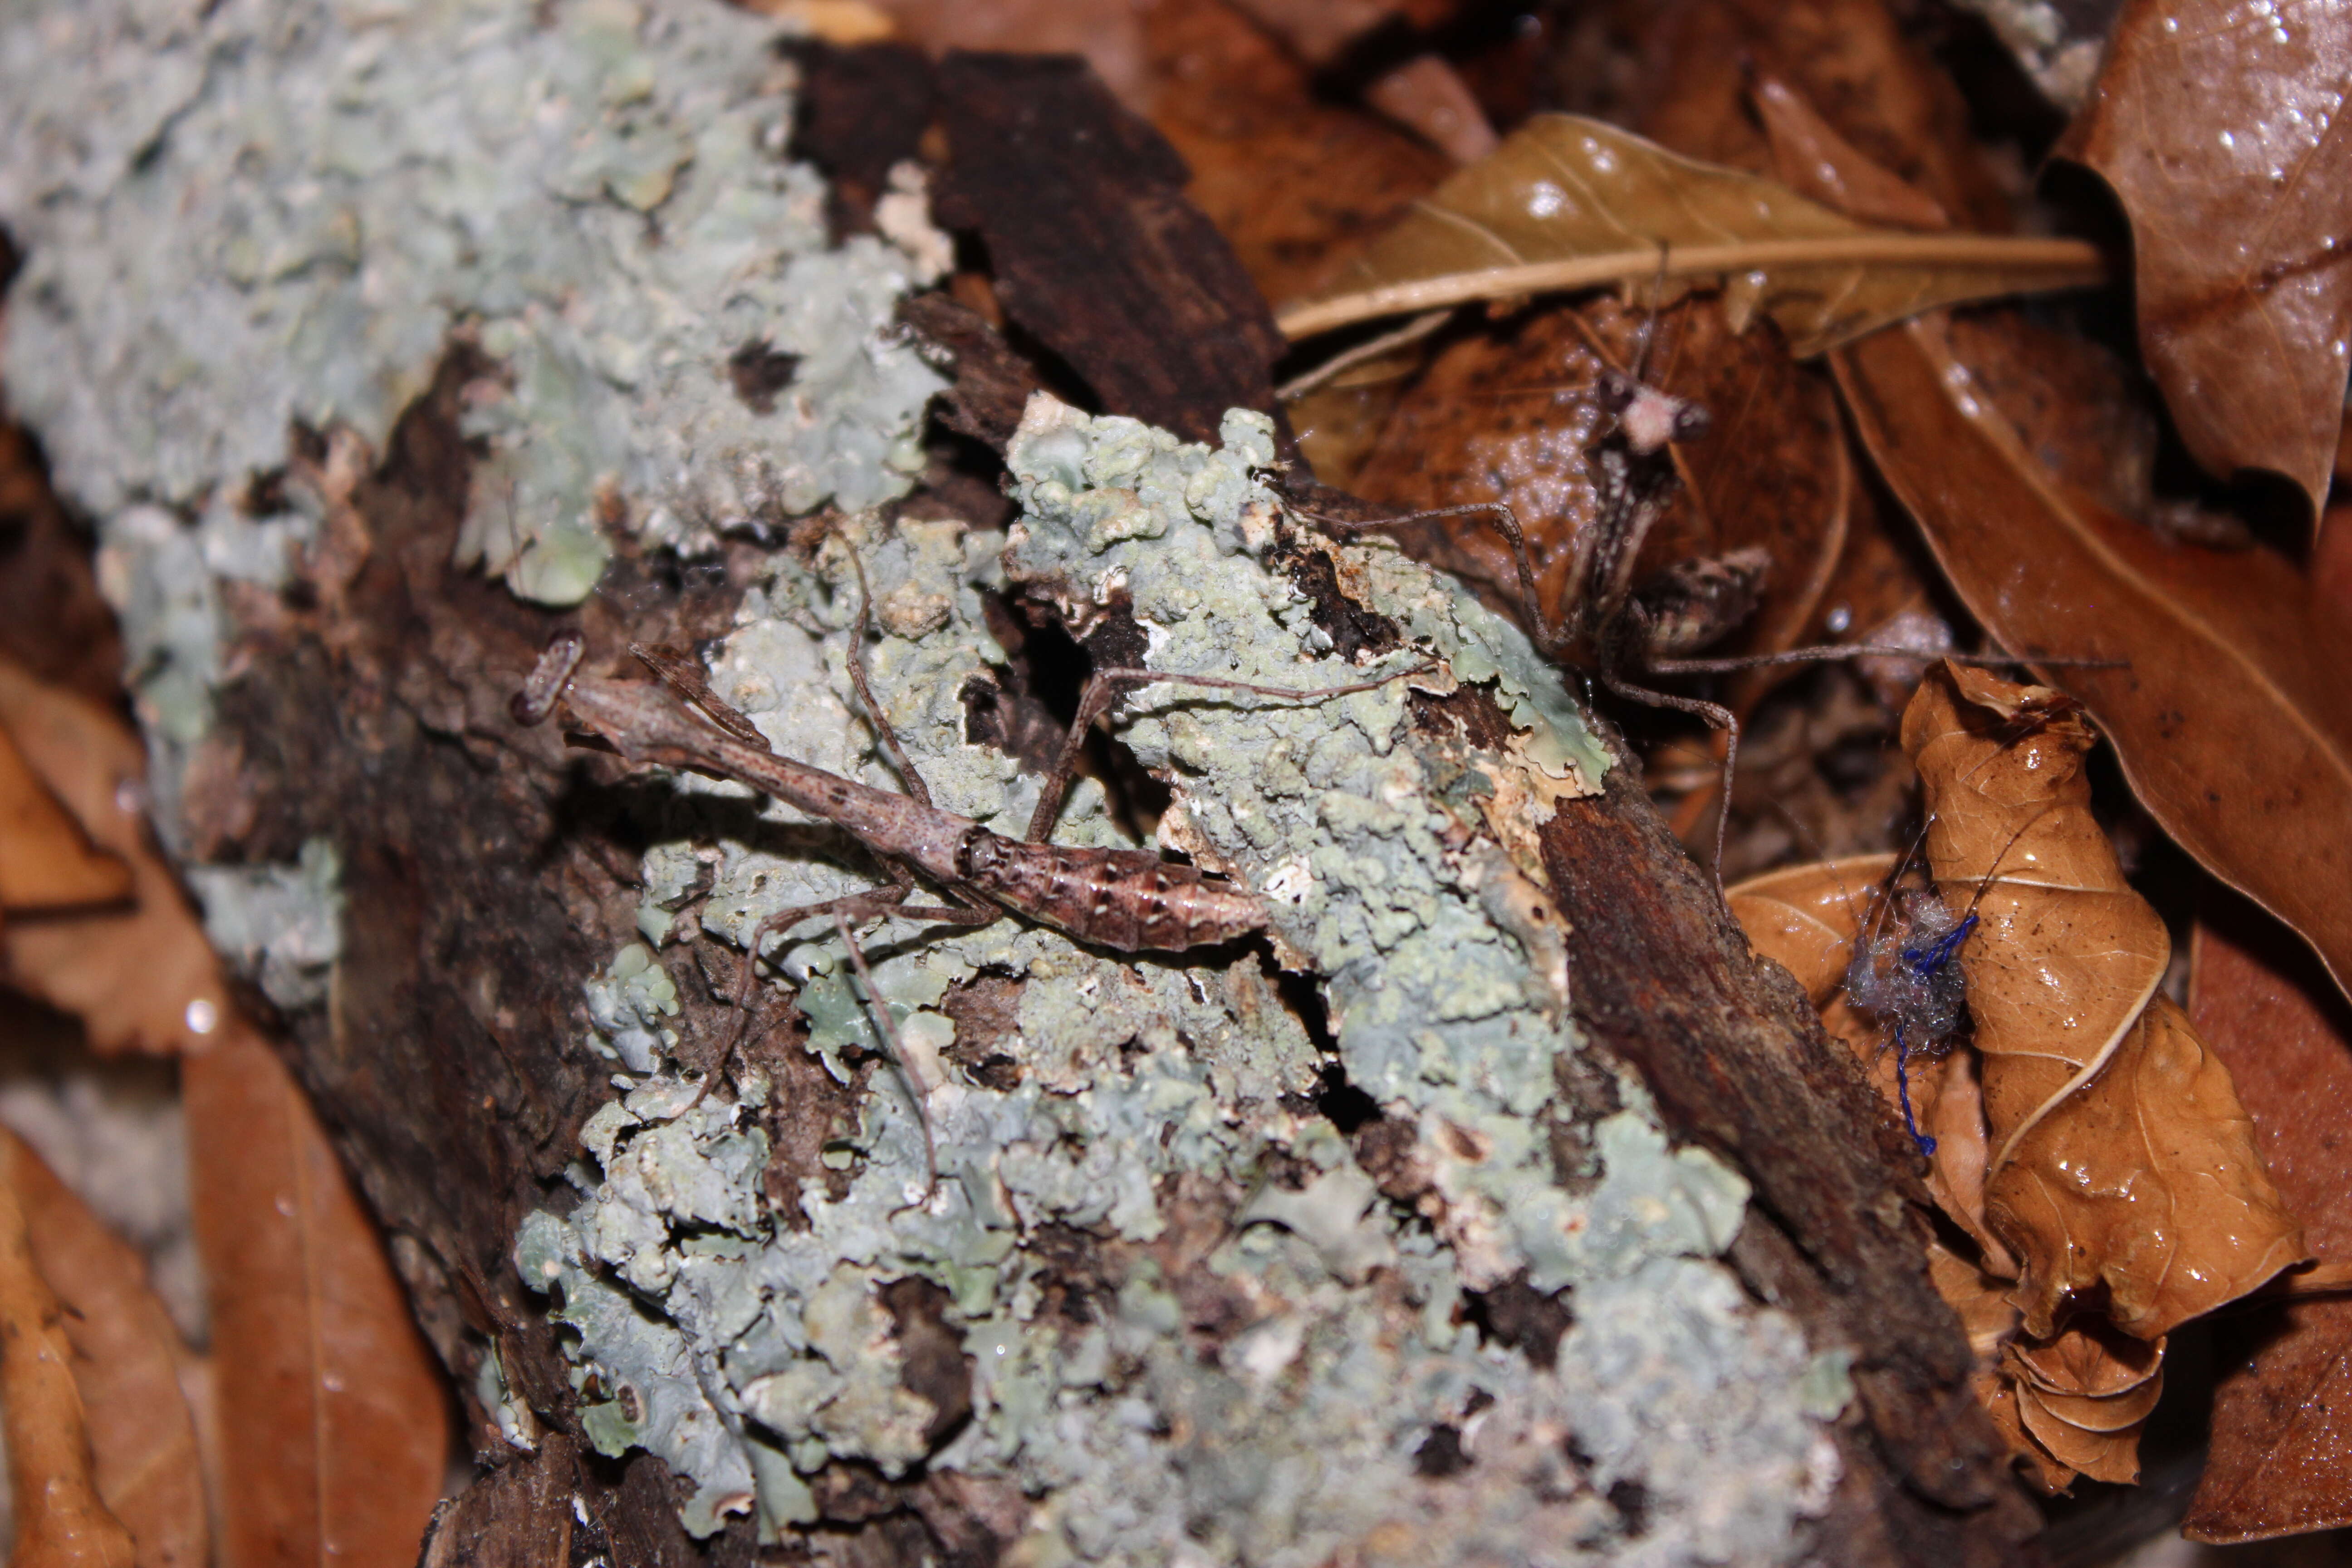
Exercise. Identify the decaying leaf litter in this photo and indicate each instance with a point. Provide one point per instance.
(2020, 441)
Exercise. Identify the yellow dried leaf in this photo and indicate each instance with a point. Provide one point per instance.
(60, 1520)
(2120, 1154)
(1571, 203)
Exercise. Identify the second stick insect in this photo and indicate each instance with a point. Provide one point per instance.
(1130, 901)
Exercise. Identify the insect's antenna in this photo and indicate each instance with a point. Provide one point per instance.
(1895, 880)
(906, 1068)
(1649, 333)
(1993, 871)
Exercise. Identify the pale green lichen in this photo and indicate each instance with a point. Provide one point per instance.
(263, 211)
(282, 925)
(1296, 1442)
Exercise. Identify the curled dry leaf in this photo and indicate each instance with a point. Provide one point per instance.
(1508, 414)
(2065, 1406)
(2226, 705)
(2221, 129)
(2121, 1157)
(1570, 202)
(2281, 1458)
(127, 1358)
(60, 1520)
(1809, 919)
(135, 978)
(2083, 1396)
(333, 1417)
(45, 860)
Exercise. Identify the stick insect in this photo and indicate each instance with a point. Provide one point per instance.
(1130, 901)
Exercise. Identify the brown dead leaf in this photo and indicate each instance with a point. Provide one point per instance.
(1875, 90)
(1107, 32)
(1510, 414)
(2229, 716)
(142, 979)
(2083, 1396)
(46, 861)
(2073, 1403)
(334, 1414)
(2221, 129)
(126, 1363)
(1806, 918)
(1296, 182)
(1809, 919)
(2281, 1460)
(53, 620)
(2120, 1154)
(2069, 1405)
(60, 1520)
(1569, 202)
(1810, 156)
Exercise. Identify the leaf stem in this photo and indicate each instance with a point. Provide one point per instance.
(2069, 263)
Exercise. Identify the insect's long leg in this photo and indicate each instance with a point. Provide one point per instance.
(1831, 655)
(1649, 333)
(916, 1089)
(1716, 714)
(873, 901)
(917, 791)
(1104, 688)
(1550, 640)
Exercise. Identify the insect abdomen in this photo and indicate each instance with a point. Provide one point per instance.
(1130, 901)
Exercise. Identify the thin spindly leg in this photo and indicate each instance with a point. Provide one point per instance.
(1104, 690)
(1716, 714)
(917, 1090)
(1834, 653)
(1550, 641)
(871, 903)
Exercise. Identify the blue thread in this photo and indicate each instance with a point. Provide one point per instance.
(1903, 1089)
(1925, 963)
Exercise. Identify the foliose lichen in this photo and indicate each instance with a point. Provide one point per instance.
(282, 925)
(241, 215)
(1273, 1358)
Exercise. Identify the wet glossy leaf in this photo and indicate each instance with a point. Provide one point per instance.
(1508, 414)
(126, 1363)
(1569, 202)
(45, 860)
(2281, 1460)
(137, 979)
(333, 1417)
(2222, 128)
(2083, 1396)
(2121, 1157)
(2071, 1404)
(60, 1519)
(2229, 712)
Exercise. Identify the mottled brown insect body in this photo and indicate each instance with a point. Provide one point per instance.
(1130, 901)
